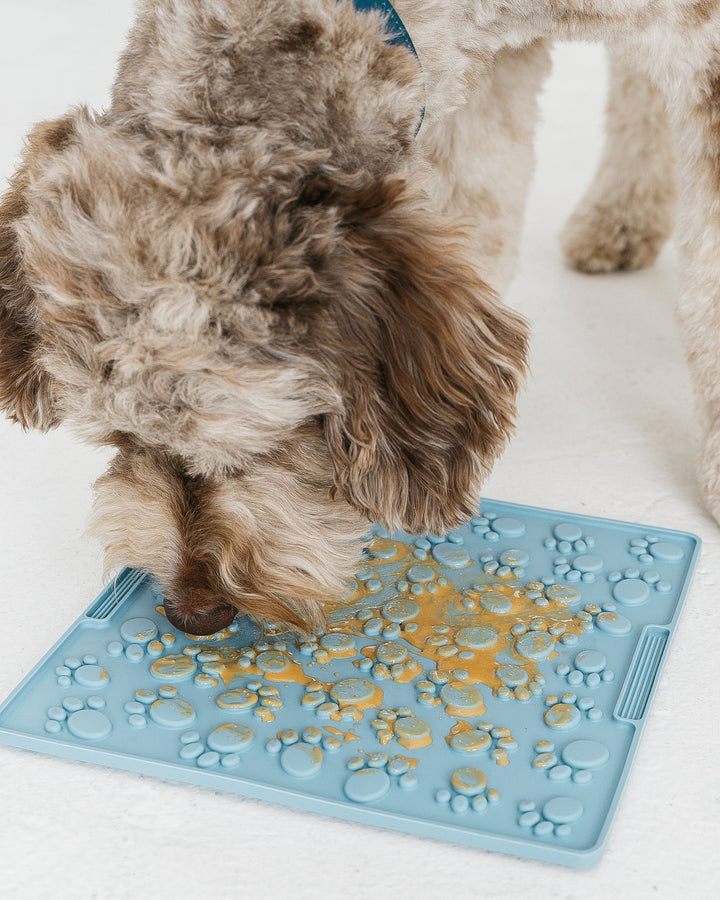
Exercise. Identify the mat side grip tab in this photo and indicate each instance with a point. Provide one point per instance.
(114, 594)
(643, 673)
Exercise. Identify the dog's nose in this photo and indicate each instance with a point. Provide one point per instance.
(200, 622)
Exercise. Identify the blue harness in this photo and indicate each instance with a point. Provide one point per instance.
(397, 33)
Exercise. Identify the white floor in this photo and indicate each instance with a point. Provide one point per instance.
(606, 428)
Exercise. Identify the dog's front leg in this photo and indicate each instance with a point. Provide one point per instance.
(482, 156)
(627, 213)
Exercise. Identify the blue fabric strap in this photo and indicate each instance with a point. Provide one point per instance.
(397, 32)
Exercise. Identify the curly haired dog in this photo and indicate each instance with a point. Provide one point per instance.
(279, 303)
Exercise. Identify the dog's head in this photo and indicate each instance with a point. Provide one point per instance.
(280, 345)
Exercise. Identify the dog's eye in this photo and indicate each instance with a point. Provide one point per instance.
(108, 370)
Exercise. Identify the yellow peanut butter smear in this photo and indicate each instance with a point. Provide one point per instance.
(408, 622)
(465, 626)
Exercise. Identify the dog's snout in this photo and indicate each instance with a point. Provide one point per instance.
(199, 621)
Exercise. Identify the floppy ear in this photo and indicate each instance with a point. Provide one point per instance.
(427, 360)
(26, 390)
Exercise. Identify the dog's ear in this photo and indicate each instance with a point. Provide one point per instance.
(427, 360)
(26, 390)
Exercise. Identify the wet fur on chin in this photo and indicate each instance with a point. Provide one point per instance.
(259, 308)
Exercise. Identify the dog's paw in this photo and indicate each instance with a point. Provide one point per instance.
(601, 237)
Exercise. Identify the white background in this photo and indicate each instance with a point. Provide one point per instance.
(606, 428)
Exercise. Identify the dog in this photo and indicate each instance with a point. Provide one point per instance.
(269, 274)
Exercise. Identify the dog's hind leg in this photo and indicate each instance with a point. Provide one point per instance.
(482, 156)
(627, 213)
(696, 117)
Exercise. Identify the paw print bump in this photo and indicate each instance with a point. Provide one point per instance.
(493, 527)
(565, 712)
(371, 777)
(140, 637)
(84, 673)
(649, 549)
(163, 707)
(82, 719)
(556, 817)
(589, 668)
(223, 746)
(577, 761)
(469, 790)
(470, 739)
(403, 725)
(631, 587)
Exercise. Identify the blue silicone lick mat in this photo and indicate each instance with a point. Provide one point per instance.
(487, 687)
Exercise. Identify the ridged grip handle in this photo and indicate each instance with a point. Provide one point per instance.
(642, 676)
(115, 593)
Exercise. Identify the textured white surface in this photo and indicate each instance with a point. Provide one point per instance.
(606, 428)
